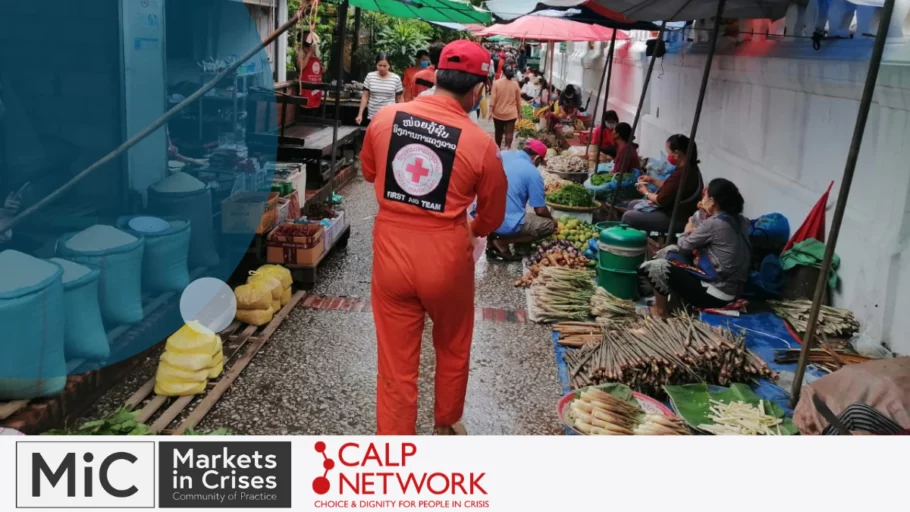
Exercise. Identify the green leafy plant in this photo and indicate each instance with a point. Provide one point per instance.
(401, 40)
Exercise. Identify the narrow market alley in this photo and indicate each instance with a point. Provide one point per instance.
(317, 374)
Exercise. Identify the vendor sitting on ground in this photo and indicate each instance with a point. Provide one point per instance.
(709, 265)
(626, 158)
(526, 188)
(652, 213)
(604, 138)
(564, 111)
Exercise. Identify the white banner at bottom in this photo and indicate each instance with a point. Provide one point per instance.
(452, 473)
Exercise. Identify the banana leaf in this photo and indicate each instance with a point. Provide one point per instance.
(692, 403)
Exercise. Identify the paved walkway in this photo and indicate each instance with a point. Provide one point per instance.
(317, 375)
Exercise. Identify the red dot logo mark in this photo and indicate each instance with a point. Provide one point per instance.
(321, 484)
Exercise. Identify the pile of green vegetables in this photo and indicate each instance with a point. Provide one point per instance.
(574, 195)
(606, 177)
(121, 422)
(527, 111)
(528, 132)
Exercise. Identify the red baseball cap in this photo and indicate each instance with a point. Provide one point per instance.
(467, 56)
(536, 146)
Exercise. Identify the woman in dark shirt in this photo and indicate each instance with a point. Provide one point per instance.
(626, 158)
(652, 213)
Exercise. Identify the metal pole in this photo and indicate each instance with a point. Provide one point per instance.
(865, 104)
(158, 123)
(644, 89)
(339, 71)
(355, 44)
(600, 87)
(671, 235)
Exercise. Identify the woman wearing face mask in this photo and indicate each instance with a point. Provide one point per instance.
(422, 62)
(604, 138)
(381, 88)
(505, 100)
(709, 265)
(652, 213)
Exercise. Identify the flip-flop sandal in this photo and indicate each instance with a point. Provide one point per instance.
(495, 255)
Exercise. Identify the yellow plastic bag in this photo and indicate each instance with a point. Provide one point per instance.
(191, 339)
(286, 296)
(484, 105)
(178, 388)
(277, 271)
(187, 361)
(217, 360)
(271, 282)
(170, 373)
(255, 316)
(253, 296)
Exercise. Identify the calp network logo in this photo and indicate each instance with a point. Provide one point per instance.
(384, 468)
(321, 484)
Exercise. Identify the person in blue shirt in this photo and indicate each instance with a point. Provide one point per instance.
(526, 188)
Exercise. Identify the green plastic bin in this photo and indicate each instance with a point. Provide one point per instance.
(622, 248)
(620, 283)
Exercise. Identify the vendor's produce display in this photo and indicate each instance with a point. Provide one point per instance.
(831, 321)
(567, 163)
(609, 309)
(121, 422)
(827, 359)
(526, 124)
(603, 178)
(319, 211)
(192, 355)
(553, 141)
(552, 182)
(554, 254)
(562, 294)
(573, 196)
(576, 231)
(736, 410)
(578, 334)
(653, 353)
(527, 112)
(614, 410)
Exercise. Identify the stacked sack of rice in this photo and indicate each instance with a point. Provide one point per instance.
(190, 358)
(254, 302)
(279, 273)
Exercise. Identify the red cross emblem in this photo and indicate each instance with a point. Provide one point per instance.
(417, 170)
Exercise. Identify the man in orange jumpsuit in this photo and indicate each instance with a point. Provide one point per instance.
(428, 161)
(425, 79)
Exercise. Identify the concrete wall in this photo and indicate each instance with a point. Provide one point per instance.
(778, 120)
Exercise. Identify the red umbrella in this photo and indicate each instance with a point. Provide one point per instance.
(814, 225)
(545, 28)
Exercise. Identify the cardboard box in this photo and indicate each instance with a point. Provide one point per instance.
(249, 212)
(295, 250)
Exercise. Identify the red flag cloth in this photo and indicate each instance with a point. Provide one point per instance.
(814, 225)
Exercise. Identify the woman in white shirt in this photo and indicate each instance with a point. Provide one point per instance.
(381, 88)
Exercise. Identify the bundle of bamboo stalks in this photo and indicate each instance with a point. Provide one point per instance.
(561, 294)
(831, 321)
(826, 359)
(608, 308)
(652, 353)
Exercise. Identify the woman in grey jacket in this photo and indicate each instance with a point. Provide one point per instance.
(709, 265)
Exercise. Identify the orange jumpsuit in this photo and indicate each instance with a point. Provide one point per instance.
(426, 75)
(427, 161)
(408, 81)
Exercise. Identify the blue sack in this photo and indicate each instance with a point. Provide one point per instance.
(120, 282)
(768, 281)
(31, 309)
(771, 227)
(84, 335)
(165, 265)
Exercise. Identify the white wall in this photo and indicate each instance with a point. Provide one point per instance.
(778, 120)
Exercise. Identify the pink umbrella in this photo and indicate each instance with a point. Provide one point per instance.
(545, 28)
